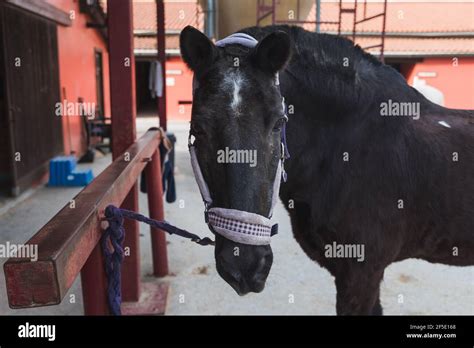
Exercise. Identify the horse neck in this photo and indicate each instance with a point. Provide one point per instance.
(315, 106)
(331, 117)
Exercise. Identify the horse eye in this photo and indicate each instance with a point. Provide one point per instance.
(279, 124)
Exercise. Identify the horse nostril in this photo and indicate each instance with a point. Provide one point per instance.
(261, 265)
(261, 272)
(264, 263)
(236, 275)
(257, 284)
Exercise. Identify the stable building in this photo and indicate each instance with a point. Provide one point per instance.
(51, 51)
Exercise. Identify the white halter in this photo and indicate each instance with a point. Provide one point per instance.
(238, 225)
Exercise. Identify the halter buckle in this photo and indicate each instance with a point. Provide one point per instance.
(191, 139)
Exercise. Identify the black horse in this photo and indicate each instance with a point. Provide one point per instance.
(364, 190)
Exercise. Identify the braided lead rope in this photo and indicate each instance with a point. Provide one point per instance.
(112, 240)
(113, 237)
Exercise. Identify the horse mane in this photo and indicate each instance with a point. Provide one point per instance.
(317, 65)
(337, 70)
(319, 49)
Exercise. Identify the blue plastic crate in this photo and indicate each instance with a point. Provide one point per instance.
(62, 172)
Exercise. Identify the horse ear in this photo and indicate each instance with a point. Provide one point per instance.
(273, 52)
(196, 49)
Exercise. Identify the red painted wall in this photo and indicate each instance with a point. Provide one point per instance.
(455, 81)
(76, 46)
(179, 81)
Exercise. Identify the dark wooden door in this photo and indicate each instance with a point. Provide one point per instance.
(30, 58)
(99, 80)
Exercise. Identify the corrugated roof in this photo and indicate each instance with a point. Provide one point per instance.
(150, 43)
(178, 14)
(420, 47)
(403, 17)
(449, 19)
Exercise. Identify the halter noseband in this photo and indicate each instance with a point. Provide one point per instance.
(238, 225)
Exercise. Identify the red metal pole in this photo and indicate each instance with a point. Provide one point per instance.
(340, 18)
(273, 11)
(94, 284)
(355, 22)
(160, 25)
(258, 12)
(382, 49)
(131, 262)
(156, 210)
(122, 97)
(123, 112)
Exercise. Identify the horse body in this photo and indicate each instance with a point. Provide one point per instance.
(393, 187)
(399, 191)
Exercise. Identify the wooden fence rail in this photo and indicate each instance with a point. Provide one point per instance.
(67, 241)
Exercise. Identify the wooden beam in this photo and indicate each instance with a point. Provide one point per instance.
(43, 9)
(68, 239)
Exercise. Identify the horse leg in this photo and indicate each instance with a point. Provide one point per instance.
(358, 293)
(377, 309)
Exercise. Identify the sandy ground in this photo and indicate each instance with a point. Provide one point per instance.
(296, 284)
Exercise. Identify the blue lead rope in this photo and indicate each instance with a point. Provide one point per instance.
(112, 241)
(113, 236)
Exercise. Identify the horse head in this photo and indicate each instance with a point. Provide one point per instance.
(236, 125)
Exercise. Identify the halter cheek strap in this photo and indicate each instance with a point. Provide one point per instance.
(238, 225)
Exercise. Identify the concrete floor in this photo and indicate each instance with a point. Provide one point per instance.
(196, 287)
